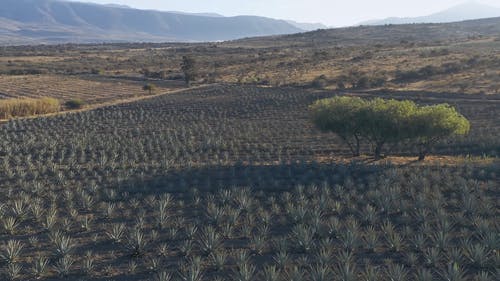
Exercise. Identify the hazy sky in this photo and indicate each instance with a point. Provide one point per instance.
(329, 12)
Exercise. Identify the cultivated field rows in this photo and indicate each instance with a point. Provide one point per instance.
(222, 183)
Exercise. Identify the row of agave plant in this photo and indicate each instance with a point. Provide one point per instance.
(392, 225)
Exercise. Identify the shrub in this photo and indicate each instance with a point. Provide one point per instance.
(319, 82)
(95, 71)
(74, 104)
(149, 88)
(27, 107)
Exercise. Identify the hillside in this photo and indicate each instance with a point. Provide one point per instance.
(387, 34)
(55, 21)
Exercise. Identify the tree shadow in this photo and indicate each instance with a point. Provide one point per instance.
(266, 177)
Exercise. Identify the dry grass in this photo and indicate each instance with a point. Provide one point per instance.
(28, 107)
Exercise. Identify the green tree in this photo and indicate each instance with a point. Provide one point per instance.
(340, 115)
(433, 123)
(384, 123)
(188, 67)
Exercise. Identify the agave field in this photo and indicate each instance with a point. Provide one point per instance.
(231, 183)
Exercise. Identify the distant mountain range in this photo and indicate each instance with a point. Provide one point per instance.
(60, 21)
(307, 26)
(466, 11)
(57, 21)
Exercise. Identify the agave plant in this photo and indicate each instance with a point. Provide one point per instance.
(371, 239)
(423, 274)
(295, 274)
(477, 254)
(88, 263)
(371, 273)
(271, 273)
(218, 259)
(396, 272)
(136, 242)
(321, 273)
(244, 272)
(258, 243)
(304, 237)
(192, 271)
(162, 249)
(186, 247)
(432, 256)
(63, 244)
(483, 276)
(11, 252)
(10, 224)
(209, 240)
(324, 255)
(350, 239)
(13, 271)
(40, 266)
(63, 266)
(454, 273)
(163, 276)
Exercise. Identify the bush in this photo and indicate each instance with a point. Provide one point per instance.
(319, 82)
(387, 122)
(149, 88)
(74, 104)
(27, 107)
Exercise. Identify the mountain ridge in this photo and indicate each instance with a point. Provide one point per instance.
(55, 21)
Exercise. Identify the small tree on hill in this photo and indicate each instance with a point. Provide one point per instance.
(188, 67)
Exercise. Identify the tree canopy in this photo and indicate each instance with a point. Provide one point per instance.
(383, 122)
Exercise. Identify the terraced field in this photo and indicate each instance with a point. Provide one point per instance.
(231, 183)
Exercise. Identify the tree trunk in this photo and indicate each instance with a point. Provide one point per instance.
(422, 153)
(357, 151)
(421, 156)
(378, 151)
